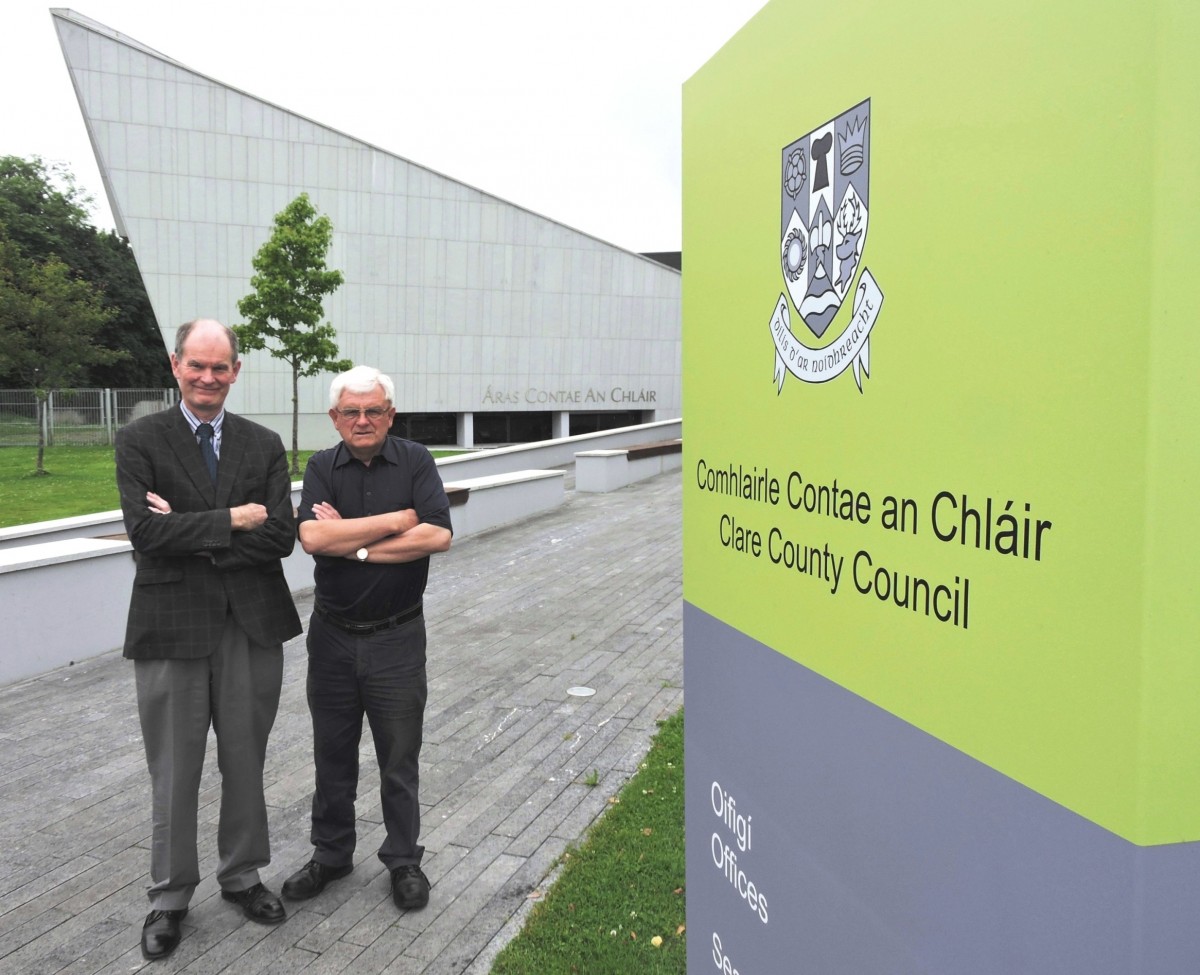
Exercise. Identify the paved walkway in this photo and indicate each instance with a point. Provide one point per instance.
(589, 594)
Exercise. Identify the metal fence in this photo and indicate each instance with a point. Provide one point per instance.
(76, 416)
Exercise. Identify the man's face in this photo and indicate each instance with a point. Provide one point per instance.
(363, 433)
(205, 370)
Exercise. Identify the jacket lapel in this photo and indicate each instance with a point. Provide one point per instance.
(183, 443)
(232, 451)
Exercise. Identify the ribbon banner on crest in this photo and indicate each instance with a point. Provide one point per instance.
(851, 350)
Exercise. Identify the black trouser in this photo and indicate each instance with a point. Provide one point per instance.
(381, 675)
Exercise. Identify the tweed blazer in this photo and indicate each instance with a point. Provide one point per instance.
(192, 568)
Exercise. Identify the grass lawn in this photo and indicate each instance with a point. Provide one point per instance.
(618, 904)
(79, 481)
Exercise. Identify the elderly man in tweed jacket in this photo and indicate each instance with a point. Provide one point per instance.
(206, 500)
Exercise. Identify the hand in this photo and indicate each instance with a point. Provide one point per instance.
(247, 517)
(157, 505)
(324, 511)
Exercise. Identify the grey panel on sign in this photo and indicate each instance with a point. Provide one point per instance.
(881, 849)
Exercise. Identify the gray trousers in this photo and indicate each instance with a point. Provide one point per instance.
(236, 689)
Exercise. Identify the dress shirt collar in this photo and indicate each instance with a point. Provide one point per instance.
(216, 423)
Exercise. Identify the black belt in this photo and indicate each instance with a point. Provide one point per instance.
(360, 628)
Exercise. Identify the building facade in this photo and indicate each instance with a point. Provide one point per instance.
(497, 324)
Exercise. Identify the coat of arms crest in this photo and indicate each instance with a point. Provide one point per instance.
(824, 208)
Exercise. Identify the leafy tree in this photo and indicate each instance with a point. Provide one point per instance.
(285, 306)
(49, 320)
(45, 215)
(41, 208)
(107, 261)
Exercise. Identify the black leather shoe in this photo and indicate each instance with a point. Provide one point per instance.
(410, 887)
(258, 904)
(160, 933)
(311, 879)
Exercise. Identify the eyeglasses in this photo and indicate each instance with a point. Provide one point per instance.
(372, 414)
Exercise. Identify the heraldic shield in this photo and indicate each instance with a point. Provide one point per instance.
(823, 214)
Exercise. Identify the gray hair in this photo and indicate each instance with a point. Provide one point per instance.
(360, 379)
(184, 330)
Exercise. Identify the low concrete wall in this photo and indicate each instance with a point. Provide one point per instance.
(105, 524)
(84, 526)
(607, 470)
(66, 599)
(62, 601)
(553, 453)
(65, 584)
(462, 467)
(504, 498)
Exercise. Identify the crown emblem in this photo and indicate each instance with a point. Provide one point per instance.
(850, 146)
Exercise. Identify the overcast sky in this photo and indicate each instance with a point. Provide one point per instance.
(569, 109)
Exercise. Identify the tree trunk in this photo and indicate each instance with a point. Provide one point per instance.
(42, 417)
(295, 418)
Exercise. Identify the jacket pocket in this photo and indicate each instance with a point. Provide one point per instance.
(150, 577)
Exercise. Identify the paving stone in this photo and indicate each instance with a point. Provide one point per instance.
(352, 905)
(21, 894)
(28, 940)
(588, 594)
(338, 957)
(108, 941)
(546, 821)
(385, 949)
(444, 936)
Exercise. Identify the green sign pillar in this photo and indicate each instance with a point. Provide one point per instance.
(942, 594)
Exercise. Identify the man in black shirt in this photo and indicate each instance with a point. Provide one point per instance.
(372, 511)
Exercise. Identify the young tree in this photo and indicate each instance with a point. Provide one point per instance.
(49, 323)
(285, 306)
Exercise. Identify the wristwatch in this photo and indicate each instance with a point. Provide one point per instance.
(362, 554)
